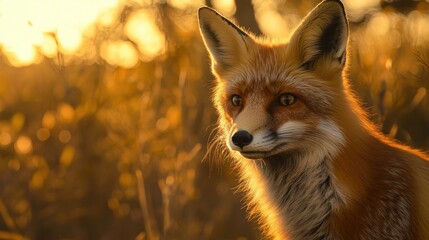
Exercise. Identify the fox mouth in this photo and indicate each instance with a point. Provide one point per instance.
(261, 154)
(253, 154)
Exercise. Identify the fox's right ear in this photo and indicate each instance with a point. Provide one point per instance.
(322, 33)
(226, 42)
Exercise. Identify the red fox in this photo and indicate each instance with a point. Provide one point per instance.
(313, 165)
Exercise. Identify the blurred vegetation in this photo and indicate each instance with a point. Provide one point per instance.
(108, 141)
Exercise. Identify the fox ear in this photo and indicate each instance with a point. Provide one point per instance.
(225, 42)
(322, 33)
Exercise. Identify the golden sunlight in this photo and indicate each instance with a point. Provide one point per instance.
(23, 145)
(25, 24)
(358, 9)
(226, 7)
(185, 4)
(108, 130)
(271, 21)
(142, 30)
(119, 53)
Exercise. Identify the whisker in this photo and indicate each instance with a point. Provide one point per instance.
(270, 137)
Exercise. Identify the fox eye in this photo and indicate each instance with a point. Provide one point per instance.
(236, 100)
(287, 99)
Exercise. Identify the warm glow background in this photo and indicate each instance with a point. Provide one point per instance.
(105, 111)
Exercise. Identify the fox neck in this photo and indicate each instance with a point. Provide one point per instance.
(281, 184)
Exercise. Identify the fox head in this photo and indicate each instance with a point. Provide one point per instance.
(275, 98)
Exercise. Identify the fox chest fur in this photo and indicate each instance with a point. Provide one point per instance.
(312, 164)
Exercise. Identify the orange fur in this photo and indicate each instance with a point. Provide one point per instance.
(314, 168)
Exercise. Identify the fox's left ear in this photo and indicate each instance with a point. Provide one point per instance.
(322, 33)
(226, 42)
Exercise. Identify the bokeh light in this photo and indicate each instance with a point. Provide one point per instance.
(141, 28)
(43, 134)
(105, 111)
(185, 4)
(226, 7)
(25, 23)
(357, 9)
(49, 120)
(23, 145)
(67, 156)
(119, 53)
(5, 138)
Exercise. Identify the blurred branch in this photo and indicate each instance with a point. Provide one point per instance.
(6, 216)
(193, 153)
(404, 6)
(245, 16)
(152, 233)
(208, 3)
(166, 190)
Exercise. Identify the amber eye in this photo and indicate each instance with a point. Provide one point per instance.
(287, 99)
(236, 100)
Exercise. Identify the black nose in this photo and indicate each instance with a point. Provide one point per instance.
(242, 138)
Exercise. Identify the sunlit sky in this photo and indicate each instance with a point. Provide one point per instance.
(25, 24)
(30, 29)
